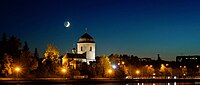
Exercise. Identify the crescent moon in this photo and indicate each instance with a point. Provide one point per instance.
(67, 24)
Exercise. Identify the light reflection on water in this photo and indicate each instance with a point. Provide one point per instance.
(175, 83)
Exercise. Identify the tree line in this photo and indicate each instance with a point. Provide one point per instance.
(14, 53)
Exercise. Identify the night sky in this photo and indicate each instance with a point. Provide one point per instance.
(134, 27)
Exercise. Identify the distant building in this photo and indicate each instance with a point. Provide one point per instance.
(188, 59)
(145, 59)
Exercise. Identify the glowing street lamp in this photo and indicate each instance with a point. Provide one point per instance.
(63, 71)
(184, 67)
(137, 72)
(184, 75)
(109, 71)
(197, 69)
(123, 62)
(17, 69)
(154, 75)
(114, 66)
(151, 66)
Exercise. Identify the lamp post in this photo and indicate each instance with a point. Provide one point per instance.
(114, 66)
(64, 72)
(17, 69)
(137, 72)
(184, 75)
(154, 75)
(197, 70)
(110, 71)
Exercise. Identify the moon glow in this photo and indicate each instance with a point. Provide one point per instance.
(67, 24)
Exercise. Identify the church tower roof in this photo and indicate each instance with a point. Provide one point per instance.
(86, 38)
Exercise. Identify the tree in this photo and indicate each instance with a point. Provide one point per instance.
(51, 53)
(10, 47)
(65, 64)
(166, 70)
(120, 73)
(114, 58)
(103, 65)
(130, 70)
(25, 47)
(36, 54)
(14, 46)
(92, 69)
(7, 65)
(51, 60)
(65, 61)
(3, 45)
(26, 60)
(148, 70)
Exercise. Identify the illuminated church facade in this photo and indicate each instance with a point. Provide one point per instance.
(86, 44)
(85, 51)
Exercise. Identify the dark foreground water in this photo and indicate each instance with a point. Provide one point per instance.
(53, 81)
(175, 83)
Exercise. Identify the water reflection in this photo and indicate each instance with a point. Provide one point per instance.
(175, 83)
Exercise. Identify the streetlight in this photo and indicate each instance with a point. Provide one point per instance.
(184, 67)
(184, 75)
(154, 75)
(123, 62)
(151, 66)
(114, 66)
(197, 69)
(17, 69)
(137, 72)
(64, 71)
(109, 71)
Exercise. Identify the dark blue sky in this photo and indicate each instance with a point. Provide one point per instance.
(139, 27)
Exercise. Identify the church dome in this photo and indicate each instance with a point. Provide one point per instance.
(86, 38)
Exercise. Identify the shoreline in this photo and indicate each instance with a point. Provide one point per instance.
(105, 80)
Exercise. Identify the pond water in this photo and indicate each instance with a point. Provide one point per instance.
(175, 83)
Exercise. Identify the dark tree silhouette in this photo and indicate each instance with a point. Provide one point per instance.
(25, 47)
(3, 45)
(36, 54)
(14, 45)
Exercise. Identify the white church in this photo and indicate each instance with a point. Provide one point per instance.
(86, 44)
(85, 50)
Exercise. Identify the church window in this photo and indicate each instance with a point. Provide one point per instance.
(81, 48)
(90, 48)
